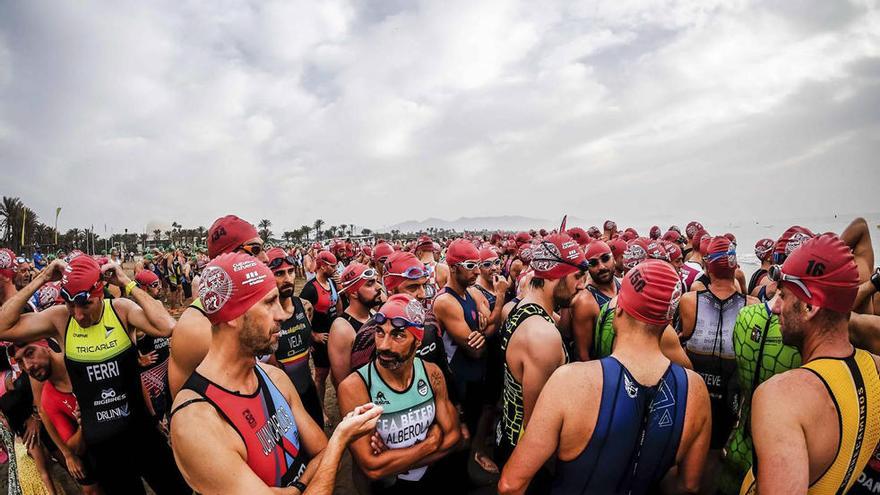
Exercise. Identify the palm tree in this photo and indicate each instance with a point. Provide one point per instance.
(143, 238)
(318, 224)
(157, 235)
(288, 236)
(175, 228)
(264, 225)
(304, 230)
(10, 211)
(200, 232)
(342, 228)
(366, 231)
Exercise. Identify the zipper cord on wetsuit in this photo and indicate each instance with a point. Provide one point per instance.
(643, 432)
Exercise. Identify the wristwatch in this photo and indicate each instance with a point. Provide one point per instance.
(875, 279)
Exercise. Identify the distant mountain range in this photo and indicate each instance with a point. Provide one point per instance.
(481, 223)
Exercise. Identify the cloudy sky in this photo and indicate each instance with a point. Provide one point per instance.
(378, 111)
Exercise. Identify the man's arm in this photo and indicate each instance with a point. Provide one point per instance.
(339, 345)
(584, 313)
(146, 313)
(540, 440)
(688, 310)
(450, 316)
(352, 391)
(671, 347)
(15, 327)
(698, 435)
(309, 309)
(495, 321)
(190, 340)
(542, 351)
(445, 415)
(783, 463)
(864, 332)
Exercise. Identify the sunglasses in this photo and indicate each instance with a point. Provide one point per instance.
(594, 262)
(278, 261)
(775, 273)
(397, 322)
(155, 285)
(468, 265)
(490, 263)
(412, 273)
(253, 249)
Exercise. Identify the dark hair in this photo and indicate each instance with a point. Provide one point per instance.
(536, 283)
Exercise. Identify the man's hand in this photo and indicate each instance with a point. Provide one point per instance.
(55, 270)
(74, 465)
(320, 338)
(360, 421)
(377, 444)
(501, 286)
(482, 321)
(147, 359)
(31, 435)
(434, 437)
(115, 275)
(476, 339)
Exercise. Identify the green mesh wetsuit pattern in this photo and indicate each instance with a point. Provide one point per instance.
(754, 324)
(603, 336)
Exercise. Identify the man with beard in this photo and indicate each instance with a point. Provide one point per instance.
(43, 361)
(620, 424)
(101, 359)
(295, 338)
(192, 333)
(364, 292)
(815, 427)
(418, 425)
(532, 345)
(439, 273)
(238, 426)
(462, 313)
(586, 305)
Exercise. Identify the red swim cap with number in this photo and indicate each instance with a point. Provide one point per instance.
(650, 292)
(826, 266)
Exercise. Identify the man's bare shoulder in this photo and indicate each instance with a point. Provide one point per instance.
(578, 378)
(277, 375)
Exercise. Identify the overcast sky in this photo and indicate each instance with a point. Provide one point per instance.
(380, 111)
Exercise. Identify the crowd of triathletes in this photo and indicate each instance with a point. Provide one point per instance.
(452, 361)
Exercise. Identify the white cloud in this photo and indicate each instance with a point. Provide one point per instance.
(128, 112)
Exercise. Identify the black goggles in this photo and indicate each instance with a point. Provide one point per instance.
(396, 321)
(278, 261)
(777, 275)
(79, 299)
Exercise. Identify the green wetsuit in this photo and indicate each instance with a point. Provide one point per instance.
(755, 325)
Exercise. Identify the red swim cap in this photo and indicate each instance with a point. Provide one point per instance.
(406, 307)
(654, 233)
(145, 278)
(352, 278)
(399, 262)
(673, 250)
(488, 253)
(557, 256)
(274, 254)
(790, 240)
(579, 235)
(525, 253)
(692, 228)
(618, 246)
(7, 263)
(461, 250)
(316, 246)
(730, 237)
(326, 258)
(367, 251)
(702, 241)
(672, 236)
(650, 292)
(596, 249)
(48, 295)
(675, 228)
(523, 238)
(82, 274)
(826, 266)
(381, 252)
(609, 225)
(425, 242)
(231, 284)
(763, 248)
(227, 233)
(594, 232)
(628, 235)
(655, 249)
(636, 252)
(720, 257)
